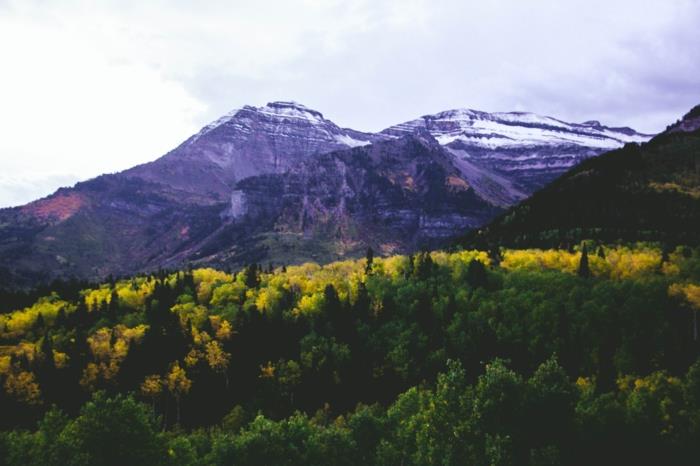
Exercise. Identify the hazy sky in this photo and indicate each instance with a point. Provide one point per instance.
(94, 87)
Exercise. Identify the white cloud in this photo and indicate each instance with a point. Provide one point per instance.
(70, 112)
(93, 87)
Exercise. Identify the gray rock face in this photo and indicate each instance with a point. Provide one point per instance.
(525, 149)
(238, 205)
(395, 196)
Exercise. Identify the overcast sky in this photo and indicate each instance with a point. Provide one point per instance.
(94, 87)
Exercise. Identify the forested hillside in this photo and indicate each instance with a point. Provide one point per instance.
(582, 356)
(648, 192)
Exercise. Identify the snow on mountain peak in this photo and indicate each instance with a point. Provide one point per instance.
(290, 107)
(515, 129)
(277, 110)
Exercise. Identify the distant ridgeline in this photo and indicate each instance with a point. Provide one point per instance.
(638, 193)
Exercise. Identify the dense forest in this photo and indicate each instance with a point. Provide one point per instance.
(583, 355)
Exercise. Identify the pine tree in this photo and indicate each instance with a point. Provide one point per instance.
(424, 266)
(39, 324)
(113, 306)
(370, 260)
(46, 350)
(476, 274)
(583, 269)
(80, 317)
(601, 252)
(61, 320)
(411, 266)
(251, 276)
(495, 256)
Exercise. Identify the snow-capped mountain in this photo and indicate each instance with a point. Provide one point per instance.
(282, 183)
(529, 149)
(246, 142)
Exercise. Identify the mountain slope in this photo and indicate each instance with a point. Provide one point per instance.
(647, 192)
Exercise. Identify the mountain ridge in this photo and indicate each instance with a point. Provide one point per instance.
(528, 148)
(246, 184)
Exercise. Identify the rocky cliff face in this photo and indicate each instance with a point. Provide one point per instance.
(247, 142)
(283, 183)
(395, 196)
(526, 149)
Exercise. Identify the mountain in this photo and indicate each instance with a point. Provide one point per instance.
(247, 142)
(527, 149)
(648, 192)
(283, 183)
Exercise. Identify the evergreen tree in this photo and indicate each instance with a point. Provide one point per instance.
(410, 267)
(39, 323)
(369, 260)
(46, 370)
(251, 278)
(601, 252)
(583, 269)
(113, 306)
(46, 351)
(80, 317)
(424, 266)
(495, 255)
(476, 274)
(61, 319)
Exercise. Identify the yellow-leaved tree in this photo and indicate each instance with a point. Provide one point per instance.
(218, 359)
(24, 387)
(178, 385)
(152, 388)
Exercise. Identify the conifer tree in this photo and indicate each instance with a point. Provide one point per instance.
(39, 323)
(61, 319)
(251, 276)
(370, 260)
(113, 306)
(583, 269)
(495, 255)
(476, 274)
(601, 252)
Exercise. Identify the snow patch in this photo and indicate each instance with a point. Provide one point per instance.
(515, 129)
(350, 141)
